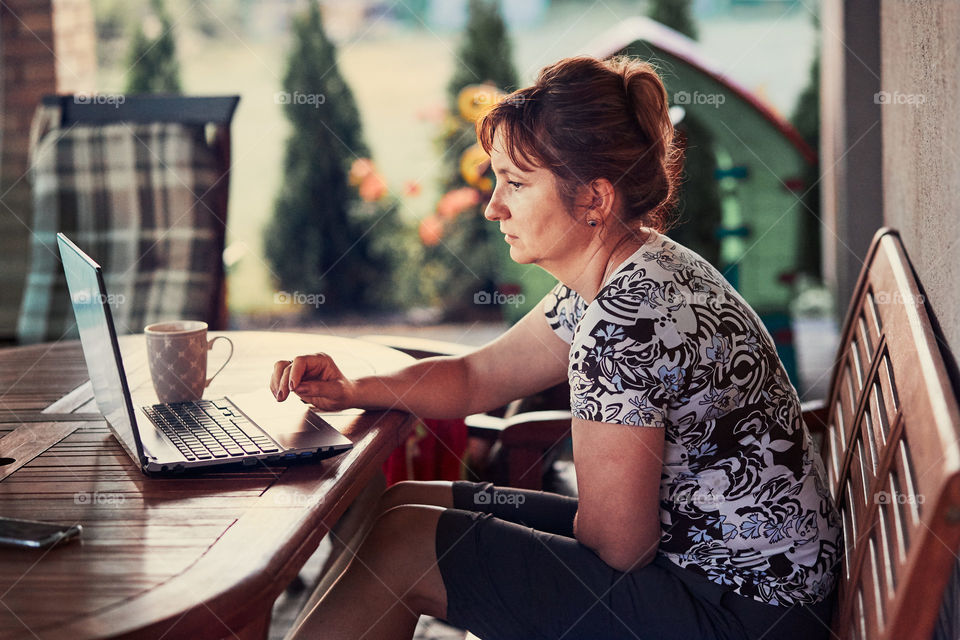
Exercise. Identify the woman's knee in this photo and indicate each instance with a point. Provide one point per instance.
(432, 493)
(401, 551)
(401, 544)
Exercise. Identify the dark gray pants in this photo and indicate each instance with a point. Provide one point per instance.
(512, 569)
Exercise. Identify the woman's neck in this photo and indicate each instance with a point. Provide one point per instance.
(592, 274)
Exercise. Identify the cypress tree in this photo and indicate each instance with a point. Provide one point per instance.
(470, 256)
(485, 54)
(152, 62)
(676, 15)
(699, 198)
(320, 238)
(806, 118)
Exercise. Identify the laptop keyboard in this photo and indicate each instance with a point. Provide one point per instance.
(209, 429)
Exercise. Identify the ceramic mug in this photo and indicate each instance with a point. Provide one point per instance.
(177, 353)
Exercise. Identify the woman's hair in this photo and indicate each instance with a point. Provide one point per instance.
(585, 119)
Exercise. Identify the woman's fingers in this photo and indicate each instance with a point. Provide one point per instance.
(284, 387)
(297, 368)
(278, 369)
(319, 366)
(315, 378)
(312, 390)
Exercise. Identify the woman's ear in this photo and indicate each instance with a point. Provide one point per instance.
(603, 196)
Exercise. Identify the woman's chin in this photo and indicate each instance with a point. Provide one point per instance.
(519, 256)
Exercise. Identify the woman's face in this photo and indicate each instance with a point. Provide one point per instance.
(535, 222)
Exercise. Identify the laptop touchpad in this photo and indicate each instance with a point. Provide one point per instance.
(291, 423)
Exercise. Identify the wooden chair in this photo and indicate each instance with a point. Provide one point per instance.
(141, 183)
(890, 446)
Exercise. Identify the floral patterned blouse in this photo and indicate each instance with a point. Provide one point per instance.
(668, 343)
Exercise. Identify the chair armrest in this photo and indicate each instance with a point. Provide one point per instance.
(420, 347)
(541, 429)
(485, 425)
(537, 429)
(814, 414)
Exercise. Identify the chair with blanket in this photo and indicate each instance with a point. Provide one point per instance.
(140, 183)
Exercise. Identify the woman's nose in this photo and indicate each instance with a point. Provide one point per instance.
(495, 209)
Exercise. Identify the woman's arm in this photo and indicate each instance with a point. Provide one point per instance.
(527, 358)
(618, 479)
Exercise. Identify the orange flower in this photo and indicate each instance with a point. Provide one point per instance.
(360, 169)
(411, 188)
(431, 230)
(373, 187)
(453, 203)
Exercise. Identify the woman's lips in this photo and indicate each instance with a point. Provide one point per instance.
(508, 237)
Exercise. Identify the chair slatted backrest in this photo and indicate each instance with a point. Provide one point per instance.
(892, 455)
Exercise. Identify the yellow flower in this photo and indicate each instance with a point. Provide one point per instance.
(474, 164)
(475, 100)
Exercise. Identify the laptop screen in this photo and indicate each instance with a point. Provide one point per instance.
(97, 337)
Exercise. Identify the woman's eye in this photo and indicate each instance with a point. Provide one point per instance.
(515, 185)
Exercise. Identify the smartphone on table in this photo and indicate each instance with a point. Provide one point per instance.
(35, 535)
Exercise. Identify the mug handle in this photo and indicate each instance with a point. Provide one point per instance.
(210, 346)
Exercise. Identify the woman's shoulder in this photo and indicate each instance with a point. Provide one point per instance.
(665, 260)
(662, 278)
(665, 274)
(662, 281)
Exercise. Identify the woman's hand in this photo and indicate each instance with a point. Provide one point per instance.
(316, 380)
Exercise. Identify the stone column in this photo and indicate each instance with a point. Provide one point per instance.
(851, 162)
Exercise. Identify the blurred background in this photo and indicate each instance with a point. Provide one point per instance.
(356, 189)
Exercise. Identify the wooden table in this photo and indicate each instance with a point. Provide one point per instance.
(194, 557)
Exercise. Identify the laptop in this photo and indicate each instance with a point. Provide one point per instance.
(163, 438)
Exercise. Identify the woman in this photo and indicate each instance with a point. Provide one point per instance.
(702, 510)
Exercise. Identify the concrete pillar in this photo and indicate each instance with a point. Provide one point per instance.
(850, 140)
(921, 135)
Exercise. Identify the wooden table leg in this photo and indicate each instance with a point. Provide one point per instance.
(256, 629)
(348, 531)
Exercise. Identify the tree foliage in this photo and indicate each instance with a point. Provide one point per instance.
(676, 15)
(323, 240)
(485, 54)
(470, 256)
(806, 118)
(152, 61)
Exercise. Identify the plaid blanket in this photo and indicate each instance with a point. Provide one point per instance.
(140, 199)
